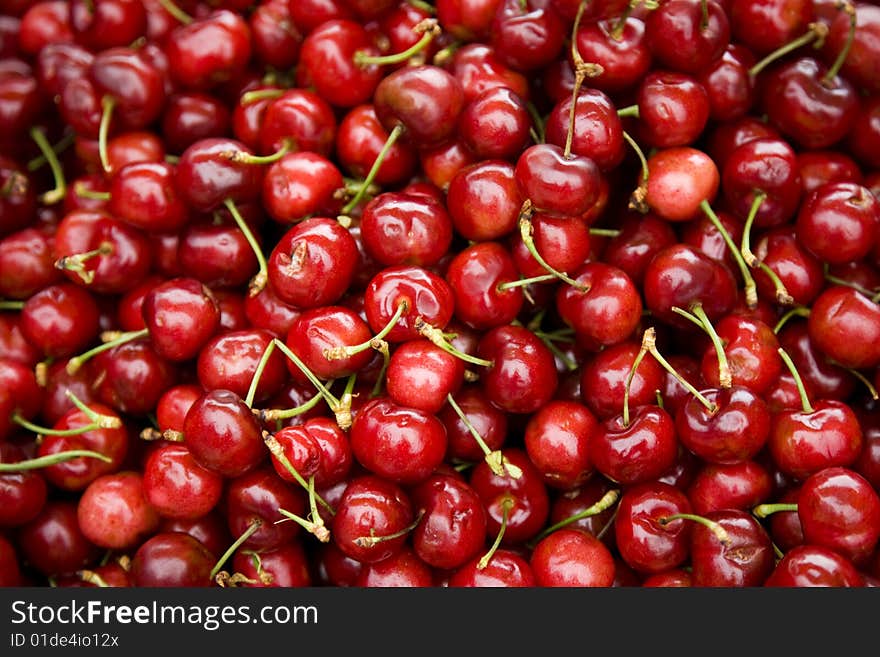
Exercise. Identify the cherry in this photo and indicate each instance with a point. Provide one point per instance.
(687, 36)
(821, 377)
(396, 442)
(837, 222)
(799, 271)
(113, 512)
(24, 493)
(210, 530)
(495, 124)
(556, 181)
(639, 238)
(741, 556)
(60, 320)
(27, 261)
(645, 544)
(452, 529)
(193, 115)
(522, 376)
(232, 359)
(255, 502)
(620, 47)
(177, 486)
(181, 315)
(605, 376)
(420, 375)
(317, 448)
(518, 506)
(486, 420)
(372, 519)
(172, 559)
(822, 166)
(571, 557)
(673, 108)
(313, 263)
(402, 569)
(729, 84)
(506, 568)
(53, 543)
(212, 170)
(360, 138)
(143, 194)
(740, 485)
(843, 324)
(220, 256)
(812, 566)
(766, 25)
(557, 439)
(283, 567)
(223, 435)
(477, 67)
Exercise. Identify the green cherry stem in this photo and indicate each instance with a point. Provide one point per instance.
(60, 146)
(319, 530)
(429, 28)
(649, 342)
(499, 465)
(608, 500)
(372, 539)
(816, 32)
(393, 136)
(806, 406)
(117, 339)
(797, 311)
(260, 279)
(278, 452)
(53, 459)
(637, 198)
(764, 510)
(699, 317)
(436, 336)
(245, 535)
(751, 289)
(716, 528)
(506, 506)
(176, 12)
(526, 233)
(375, 342)
(849, 9)
(10, 304)
(57, 193)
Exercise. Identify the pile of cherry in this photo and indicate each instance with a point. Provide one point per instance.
(463, 293)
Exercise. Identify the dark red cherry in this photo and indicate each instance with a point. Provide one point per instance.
(256, 499)
(687, 36)
(181, 315)
(741, 485)
(177, 486)
(745, 559)
(572, 558)
(604, 377)
(506, 568)
(229, 361)
(814, 566)
(845, 325)
(53, 543)
(172, 559)
(557, 439)
(421, 375)
(209, 172)
(557, 182)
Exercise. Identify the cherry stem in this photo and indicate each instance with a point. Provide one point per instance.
(632, 372)
(277, 451)
(318, 529)
(436, 336)
(421, 5)
(108, 104)
(637, 198)
(242, 157)
(76, 362)
(526, 231)
(816, 31)
(802, 391)
(751, 289)
(176, 12)
(375, 342)
(6, 304)
(171, 435)
(59, 147)
(499, 465)
(428, 28)
(872, 390)
(53, 459)
(81, 190)
(258, 282)
(522, 282)
(582, 70)
(745, 246)
(848, 8)
(506, 505)
(604, 232)
(538, 128)
(97, 421)
(836, 280)
(764, 510)
(372, 539)
(254, 95)
(76, 262)
(376, 390)
(377, 164)
(57, 193)
(631, 111)
(617, 31)
(91, 577)
(699, 317)
(246, 534)
(797, 311)
(649, 342)
(277, 414)
(550, 340)
(716, 528)
(608, 500)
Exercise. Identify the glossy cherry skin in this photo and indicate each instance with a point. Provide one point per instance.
(286, 566)
(523, 376)
(484, 200)
(558, 183)
(229, 361)
(495, 124)
(680, 276)
(426, 294)
(490, 422)
(22, 494)
(53, 543)
(840, 510)
(223, 435)
(402, 444)
(639, 451)
(526, 38)
(406, 229)
(410, 96)
(838, 222)
(360, 137)
(683, 37)
(210, 50)
(680, 178)
(766, 164)
(798, 269)
(814, 566)
(313, 263)
(745, 562)
(557, 441)
(750, 346)
(673, 108)
(607, 311)
(370, 507)
(822, 377)
(803, 443)
(181, 315)
(506, 568)
(572, 558)
(421, 375)
(172, 559)
(258, 496)
(403, 569)
(177, 486)
(452, 529)
(740, 485)
(60, 320)
(845, 326)
(647, 545)
(27, 263)
(208, 174)
(477, 274)
(524, 500)
(735, 431)
(316, 448)
(192, 115)
(113, 512)
(144, 195)
(603, 380)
